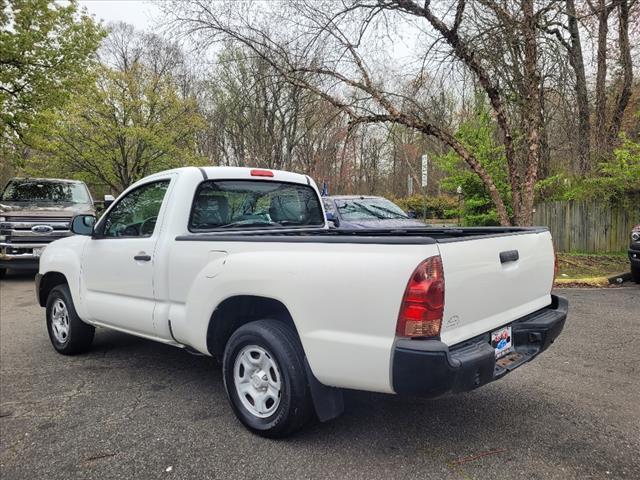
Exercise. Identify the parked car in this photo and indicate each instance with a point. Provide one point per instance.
(35, 212)
(360, 211)
(233, 262)
(634, 254)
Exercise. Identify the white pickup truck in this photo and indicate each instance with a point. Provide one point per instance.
(240, 264)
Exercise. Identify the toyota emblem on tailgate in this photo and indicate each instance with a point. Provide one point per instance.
(42, 229)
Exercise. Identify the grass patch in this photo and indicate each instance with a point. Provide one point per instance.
(589, 266)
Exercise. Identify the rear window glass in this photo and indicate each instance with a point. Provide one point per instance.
(246, 204)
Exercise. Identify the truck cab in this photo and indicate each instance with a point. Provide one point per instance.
(33, 213)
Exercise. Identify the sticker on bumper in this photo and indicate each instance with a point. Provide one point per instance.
(502, 341)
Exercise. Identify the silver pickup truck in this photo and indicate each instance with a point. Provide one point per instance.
(33, 213)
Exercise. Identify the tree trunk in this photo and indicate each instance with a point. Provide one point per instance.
(601, 78)
(545, 151)
(533, 108)
(582, 163)
(624, 95)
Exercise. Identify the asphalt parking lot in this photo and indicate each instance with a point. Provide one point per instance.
(135, 409)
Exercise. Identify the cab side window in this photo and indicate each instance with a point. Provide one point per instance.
(136, 214)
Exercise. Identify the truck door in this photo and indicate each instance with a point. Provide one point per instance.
(118, 264)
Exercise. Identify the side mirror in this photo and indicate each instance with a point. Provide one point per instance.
(411, 214)
(332, 218)
(108, 200)
(83, 224)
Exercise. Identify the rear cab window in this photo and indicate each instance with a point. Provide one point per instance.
(254, 204)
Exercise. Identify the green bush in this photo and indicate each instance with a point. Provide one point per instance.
(479, 136)
(616, 181)
(442, 206)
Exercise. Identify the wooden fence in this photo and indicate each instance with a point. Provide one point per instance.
(588, 226)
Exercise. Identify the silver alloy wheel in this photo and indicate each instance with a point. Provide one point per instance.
(257, 381)
(60, 321)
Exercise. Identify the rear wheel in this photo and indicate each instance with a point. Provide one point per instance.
(3, 272)
(635, 274)
(69, 335)
(265, 379)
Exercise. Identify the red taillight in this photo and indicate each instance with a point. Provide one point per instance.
(256, 172)
(423, 302)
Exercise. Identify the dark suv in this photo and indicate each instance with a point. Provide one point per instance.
(634, 253)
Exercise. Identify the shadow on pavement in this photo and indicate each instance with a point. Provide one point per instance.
(20, 275)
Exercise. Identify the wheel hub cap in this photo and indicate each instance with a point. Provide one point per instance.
(60, 321)
(257, 381)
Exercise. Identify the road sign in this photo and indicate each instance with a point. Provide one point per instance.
(425, 170)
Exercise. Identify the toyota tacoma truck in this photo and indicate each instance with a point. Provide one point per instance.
(238, 263)
(35, 212)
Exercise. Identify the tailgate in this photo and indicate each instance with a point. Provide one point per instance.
(492, 281)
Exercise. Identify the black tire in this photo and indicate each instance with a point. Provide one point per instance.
(79, 335)
(283, 346)
(3, 272)
(635, 274)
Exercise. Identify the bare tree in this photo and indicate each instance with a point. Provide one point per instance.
(573, 45)
(624, 94)
(526, 57)
(326, 78)
(609, 119)
(131, 122)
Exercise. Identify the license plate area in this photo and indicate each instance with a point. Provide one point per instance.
(502, 341)
(37, 251)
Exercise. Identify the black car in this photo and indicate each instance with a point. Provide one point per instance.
(634, 253)
(360, 211)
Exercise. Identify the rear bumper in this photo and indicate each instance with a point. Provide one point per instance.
(430, 368)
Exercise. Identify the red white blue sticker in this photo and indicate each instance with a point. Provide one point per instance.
(502, 341)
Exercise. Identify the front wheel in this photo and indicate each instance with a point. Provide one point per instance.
(69, 335)
(265, 379)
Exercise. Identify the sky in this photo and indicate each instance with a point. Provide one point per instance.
(139, 13)
(147, 15)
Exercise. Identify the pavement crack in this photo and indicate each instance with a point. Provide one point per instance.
(100, 456)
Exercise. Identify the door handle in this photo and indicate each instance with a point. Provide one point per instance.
(142, 257)
(509, 256)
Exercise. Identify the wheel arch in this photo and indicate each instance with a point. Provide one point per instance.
(48, 282)
(233, 312)
(238, 310)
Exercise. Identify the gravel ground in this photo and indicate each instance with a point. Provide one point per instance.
(135, 409)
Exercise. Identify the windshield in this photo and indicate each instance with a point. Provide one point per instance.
(244, 204)
(45, 192)
(369, 209)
